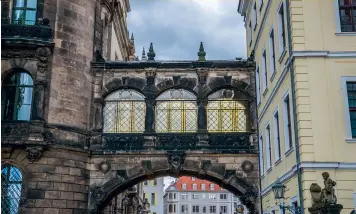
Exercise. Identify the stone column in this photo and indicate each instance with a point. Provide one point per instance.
(202, 118)
(150, 115)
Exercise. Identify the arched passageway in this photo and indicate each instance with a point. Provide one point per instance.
(235, 173)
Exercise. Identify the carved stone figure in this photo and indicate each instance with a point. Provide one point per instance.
(328, 193)
(176, 160)
(34, 153)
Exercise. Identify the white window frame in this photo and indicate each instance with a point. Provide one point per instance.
(268, 146)
(292, 200)
(277, 154)
(250, 33)
(354, 197)
(184, 186)
(285, 121)
(271, 50)
(344, 80)
(194, 186)
(338, 21)
(258, 85)
(255, 16)
(212, 187)
(260, 145)
(203, 187)
(279, 21)
(264, 70)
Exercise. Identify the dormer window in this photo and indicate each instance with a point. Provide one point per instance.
(184, 186)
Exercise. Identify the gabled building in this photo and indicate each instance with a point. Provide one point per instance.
(305, 84)
(193, 195)
(153, 190)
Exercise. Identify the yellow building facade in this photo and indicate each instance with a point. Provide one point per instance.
(305, 53)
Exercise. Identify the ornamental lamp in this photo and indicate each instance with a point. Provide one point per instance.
(278, 190)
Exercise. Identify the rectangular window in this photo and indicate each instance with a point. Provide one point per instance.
(254, 16)
(347, 9)
(174, 196)
(184, 196)
(354, 196)
(277, 143)
(264, 70)
(154, 182)
(250, 33)
(223, 196)
(204, 209)
(174, 208)
(223, 209)
(287, 123)
(281, 30)
(268, 147)
(153, 198)
(212, 196)
(212, 209)
(258, 87)
(195, 196)
(351, 94)
(272, 58)
(144, 195)
(260, 144)
(195, 209)
(145, 183)
(184, 208)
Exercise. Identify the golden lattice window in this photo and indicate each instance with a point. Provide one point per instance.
(224, 114)
(124, 112)
(176, 111)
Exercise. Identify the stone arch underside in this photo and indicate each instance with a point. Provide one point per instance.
(241, 181)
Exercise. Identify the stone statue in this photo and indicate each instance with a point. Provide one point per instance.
(328, 193)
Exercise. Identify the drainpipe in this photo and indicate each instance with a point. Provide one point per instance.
(300, 189)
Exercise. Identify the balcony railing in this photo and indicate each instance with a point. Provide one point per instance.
(26, 33)
(217, 142)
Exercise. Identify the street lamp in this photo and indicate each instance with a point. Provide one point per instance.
(278, 189)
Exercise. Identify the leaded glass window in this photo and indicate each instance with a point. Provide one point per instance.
(24, 12)
(124, 112)
(11, 185)
(16, 96)
(176, 111)
(224, 114)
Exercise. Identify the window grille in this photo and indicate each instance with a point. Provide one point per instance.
(176, 111)
(124, 112)
(24, 12)
(11, 185)
(16, 97)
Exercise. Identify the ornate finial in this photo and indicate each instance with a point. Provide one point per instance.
(132, 37)
(151, 54)
(201, 52)
(143, 58)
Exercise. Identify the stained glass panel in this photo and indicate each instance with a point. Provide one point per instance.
(175, 112)
(226, 115)
(124, 112)
(11, 185)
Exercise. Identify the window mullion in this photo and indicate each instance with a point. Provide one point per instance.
(169, 122)
(183, 126)
(132, 116)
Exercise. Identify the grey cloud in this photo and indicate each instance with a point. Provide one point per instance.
(176, 28)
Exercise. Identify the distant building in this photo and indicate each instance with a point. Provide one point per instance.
(192, 195)
(153, 190)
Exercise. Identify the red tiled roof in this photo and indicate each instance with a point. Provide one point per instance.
(189, 182)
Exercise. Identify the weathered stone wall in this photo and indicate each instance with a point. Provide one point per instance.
(70, 87)
(55, 184)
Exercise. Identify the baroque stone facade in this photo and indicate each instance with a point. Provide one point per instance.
(66, 160)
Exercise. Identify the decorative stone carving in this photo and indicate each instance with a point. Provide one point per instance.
(6, 152)
(324, 200)
(202, 76)
(240, 209)
(97, 194)
(104, 166)
(176, 160)
(34, 153)
(42, 54)
(16, 53)
(328, 193)
(247, 166)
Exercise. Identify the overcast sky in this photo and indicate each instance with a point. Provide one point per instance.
(176, 28)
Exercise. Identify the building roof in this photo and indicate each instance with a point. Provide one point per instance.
(189, 181)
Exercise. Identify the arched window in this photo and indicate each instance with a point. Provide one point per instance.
(224, 114)
(24, 12)
(11, 185)
(176, 111)
(16, 96)
(124, 112)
